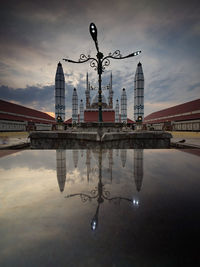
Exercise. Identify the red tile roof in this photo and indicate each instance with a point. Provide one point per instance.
(186, 111)
(130, 121)
(17, 112)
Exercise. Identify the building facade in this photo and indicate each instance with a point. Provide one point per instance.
(183, 117)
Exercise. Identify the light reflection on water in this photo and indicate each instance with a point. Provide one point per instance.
(98, 207)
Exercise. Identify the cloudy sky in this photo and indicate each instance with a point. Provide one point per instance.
(36, 35)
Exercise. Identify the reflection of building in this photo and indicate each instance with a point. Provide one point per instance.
(123, 157)
(138, 168)
(88, 160)
(110, 159)
(61, 168)
(75, 157)
(100, 193)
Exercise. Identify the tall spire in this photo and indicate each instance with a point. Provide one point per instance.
(110, 98)
(60, 93)
(139, 93)
(74, 107)
(117, 111)
(87, 92)
(81, 111)
(123, 106)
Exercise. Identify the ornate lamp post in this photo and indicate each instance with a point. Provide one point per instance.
(100, 62)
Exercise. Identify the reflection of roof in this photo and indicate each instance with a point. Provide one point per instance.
(186, 111)
(10, 111)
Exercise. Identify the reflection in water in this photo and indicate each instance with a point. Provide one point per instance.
(110, 158)
(100, 193)
(37, 220)
(117, 152)
(61, 168)
(88, 159)
(137, 165)
(75, 158)
(138, 168)
(123, 157)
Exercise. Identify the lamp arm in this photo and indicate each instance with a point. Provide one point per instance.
(82, 59)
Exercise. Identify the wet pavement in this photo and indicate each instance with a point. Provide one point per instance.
(10, 140)
(128, 207)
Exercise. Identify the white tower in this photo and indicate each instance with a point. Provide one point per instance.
(117, 111)
(81, 111)
(61, 168)
(75, 107)
(60, 93)
(110, 98)
(87, 92)
(123, 106)
(139, 93)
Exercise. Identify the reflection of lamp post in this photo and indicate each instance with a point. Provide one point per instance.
(101, 194)
(100, 63)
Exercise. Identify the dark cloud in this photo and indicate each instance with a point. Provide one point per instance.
(36, 97)
(35, 35)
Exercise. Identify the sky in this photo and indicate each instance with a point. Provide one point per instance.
(36, 35)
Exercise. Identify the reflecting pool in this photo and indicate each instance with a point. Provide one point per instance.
(99, 207)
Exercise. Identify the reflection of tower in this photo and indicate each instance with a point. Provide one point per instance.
(88, 159)
(110, 158)
(75, 107)
(123, 106)
(117, 111)
(87, 93)
(139, 93)
(61, 168)
(81, 111)
(123, 157)
(138, 168)
(117, 152)
(60, 93)
(110, 98)
(75, 158)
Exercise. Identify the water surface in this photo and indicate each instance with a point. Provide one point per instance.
(99, 208)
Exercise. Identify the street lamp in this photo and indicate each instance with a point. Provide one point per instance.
(100, 63)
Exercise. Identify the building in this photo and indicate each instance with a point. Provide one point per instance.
(184, 117)
(139, 93)
(90, 112)
(60, 94)
(14, 117)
